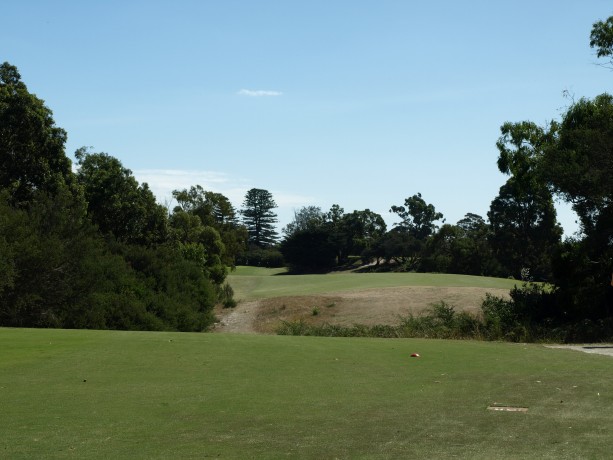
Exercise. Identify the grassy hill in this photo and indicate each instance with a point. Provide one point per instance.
(256, 283)
(128, 395)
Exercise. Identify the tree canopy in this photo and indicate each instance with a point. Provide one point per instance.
(417, 217)
(601, 38)
(31, 145)
(117, 203)
(85, 250)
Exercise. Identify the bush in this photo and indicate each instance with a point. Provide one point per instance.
(529, 316)
(535, 303)
(498, 317)
(225, 295)
(441, 321)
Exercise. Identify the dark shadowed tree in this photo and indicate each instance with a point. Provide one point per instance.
(524, 229)
(362, 229)
(398, 247)
(579, 167)
(335, 223)
(462, 248)
(309, 250)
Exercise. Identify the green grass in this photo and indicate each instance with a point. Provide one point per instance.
(257, 283)
(130, 395)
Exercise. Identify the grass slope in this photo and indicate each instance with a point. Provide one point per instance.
(97, 394)
(251, 283)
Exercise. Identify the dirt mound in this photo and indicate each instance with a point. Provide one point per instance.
(370, 306)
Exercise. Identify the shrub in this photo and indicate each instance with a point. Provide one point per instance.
(225, 295)
(441, 321)
(498, 316)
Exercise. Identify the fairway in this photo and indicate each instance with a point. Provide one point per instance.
(101, 394)
(251, 283)
(267, 297)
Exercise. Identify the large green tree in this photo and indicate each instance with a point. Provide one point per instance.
(579, 167)
(117, 203)
(417, 217)
(306, 218)
(259, 218)
(216, 211)
(362, 229)
(199, 243)
(316, 241)
(56, 269)
(32, 156)
(405, 243)
(601, 38)
(462, 248)
(32, 153)
(524, 229)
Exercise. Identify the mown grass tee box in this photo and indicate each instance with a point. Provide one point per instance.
(95, 394)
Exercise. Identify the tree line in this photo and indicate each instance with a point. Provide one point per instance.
(92, 248)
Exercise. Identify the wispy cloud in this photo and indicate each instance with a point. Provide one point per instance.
(258, 93)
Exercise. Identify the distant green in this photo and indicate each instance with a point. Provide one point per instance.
(256, 283)
(71, 394)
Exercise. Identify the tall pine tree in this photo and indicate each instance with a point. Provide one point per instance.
(259, 218)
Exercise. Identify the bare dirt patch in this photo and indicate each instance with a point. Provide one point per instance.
(369, 307)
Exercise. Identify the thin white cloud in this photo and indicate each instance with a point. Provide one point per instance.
(259, 93)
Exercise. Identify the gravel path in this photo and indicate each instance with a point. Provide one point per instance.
(239, 319)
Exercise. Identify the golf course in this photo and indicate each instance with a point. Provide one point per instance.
(267, 297)
(115, 394)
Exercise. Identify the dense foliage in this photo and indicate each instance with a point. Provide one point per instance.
(90, 249)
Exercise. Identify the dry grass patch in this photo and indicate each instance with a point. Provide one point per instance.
(368, 307)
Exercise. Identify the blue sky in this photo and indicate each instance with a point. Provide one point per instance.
(358, 103)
